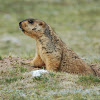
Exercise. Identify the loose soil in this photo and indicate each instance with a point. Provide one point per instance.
(13, 62)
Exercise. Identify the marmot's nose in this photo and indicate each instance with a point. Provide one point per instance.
(20, 24)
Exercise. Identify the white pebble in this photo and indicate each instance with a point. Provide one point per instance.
(36, 73)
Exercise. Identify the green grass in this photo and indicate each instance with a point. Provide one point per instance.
(0, 58)
(9, 80)
(89, 79)
(77, 23)
(22, 69)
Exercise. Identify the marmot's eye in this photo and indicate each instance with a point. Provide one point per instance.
(30, 21)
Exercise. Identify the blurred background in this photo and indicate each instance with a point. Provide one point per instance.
(77, 23)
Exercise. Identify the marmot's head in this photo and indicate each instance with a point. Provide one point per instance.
(33, 27)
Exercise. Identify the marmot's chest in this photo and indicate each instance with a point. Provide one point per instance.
(45, 51)
(47, 48)
(42, 53)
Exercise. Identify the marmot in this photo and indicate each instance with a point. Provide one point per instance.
(51, 51)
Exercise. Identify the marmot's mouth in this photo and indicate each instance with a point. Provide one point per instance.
(21, 29)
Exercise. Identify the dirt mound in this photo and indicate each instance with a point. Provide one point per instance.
(13, 62)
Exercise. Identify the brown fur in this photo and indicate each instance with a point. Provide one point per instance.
(51, 52)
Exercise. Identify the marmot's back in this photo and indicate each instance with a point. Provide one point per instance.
(72, 63)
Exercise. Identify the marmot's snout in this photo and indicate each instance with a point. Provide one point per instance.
(24, 23)
(20, 26)
(20, 23)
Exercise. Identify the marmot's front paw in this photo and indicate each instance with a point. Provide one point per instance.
(43, 67)
(25, 63)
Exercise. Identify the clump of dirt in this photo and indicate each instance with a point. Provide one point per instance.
(13, 62)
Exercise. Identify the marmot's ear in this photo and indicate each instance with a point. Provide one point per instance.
(42, 23)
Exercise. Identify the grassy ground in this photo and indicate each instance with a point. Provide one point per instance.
(77, 22)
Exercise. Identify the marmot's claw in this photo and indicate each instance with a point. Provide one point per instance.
(38, 67)
(22, 63)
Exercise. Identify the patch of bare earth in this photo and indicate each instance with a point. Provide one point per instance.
(13, 62)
